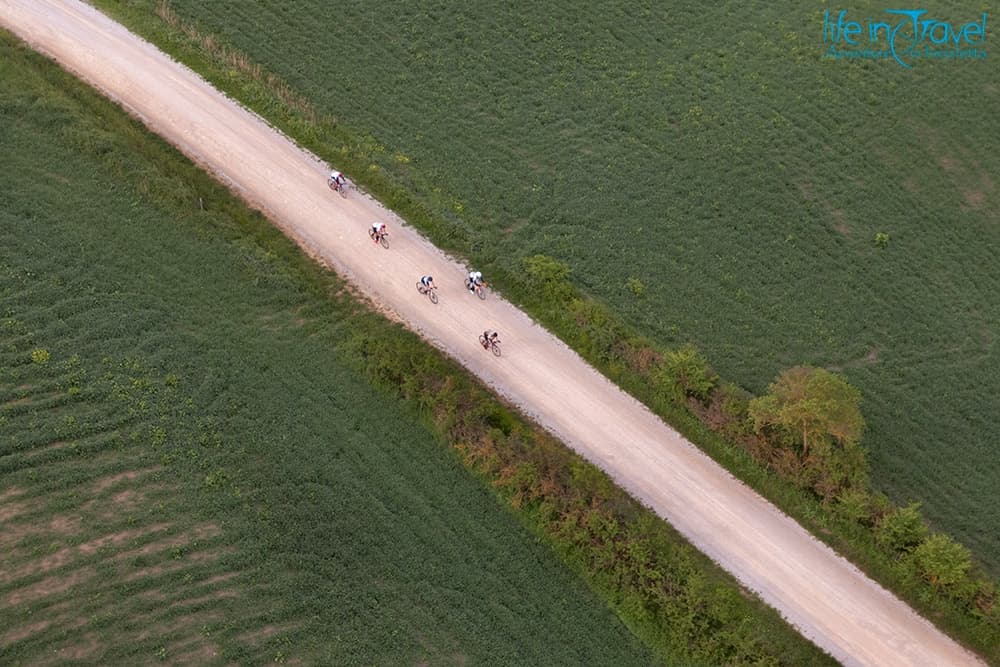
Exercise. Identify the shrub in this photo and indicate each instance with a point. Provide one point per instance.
(500, 418)
(635, 286)
(902, 529)
(942, 561)
(40, 356)
(550, 276)
(854, 504)
(836, 468)
(686, 373)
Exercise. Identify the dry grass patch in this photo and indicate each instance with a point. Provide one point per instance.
(11, 493)
(22, 632)
(974, 199)
(200, 651)
(187, 538)
(67, 555)
(129, 475)
(175, 566)
(79, 648)
(120, 537)
(48, 587)
(193, 604)
(10, 510)
(265, 633)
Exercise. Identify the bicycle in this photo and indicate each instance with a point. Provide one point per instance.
(337, 186)
(491, 344)
(431, 292)
(383, 238)
(478, 289)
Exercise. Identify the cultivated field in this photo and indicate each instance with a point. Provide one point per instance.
(710, 154)
(190, 471)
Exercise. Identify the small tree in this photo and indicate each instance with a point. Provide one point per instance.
(942, 561)
(813, 403)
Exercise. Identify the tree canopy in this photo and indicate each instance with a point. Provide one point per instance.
(813, 403)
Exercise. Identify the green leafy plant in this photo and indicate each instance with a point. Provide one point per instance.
(635, 286)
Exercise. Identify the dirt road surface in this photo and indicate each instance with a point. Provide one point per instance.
(824, 596)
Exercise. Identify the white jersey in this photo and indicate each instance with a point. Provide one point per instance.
(476, 276)
(337, 176)
(378, 227)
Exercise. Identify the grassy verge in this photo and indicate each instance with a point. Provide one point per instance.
(196, 469)
(587, 325)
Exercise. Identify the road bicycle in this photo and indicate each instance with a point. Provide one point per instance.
(478, 289)
(431, 292)
(491, 343)
(383, 238)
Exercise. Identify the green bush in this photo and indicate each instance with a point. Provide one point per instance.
(854, 504)
(686, 373)
(40, 356)
(902, 529)
(635, 286)
(548, 276)
(942, 561)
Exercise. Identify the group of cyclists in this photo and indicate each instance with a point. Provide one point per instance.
(379, 233)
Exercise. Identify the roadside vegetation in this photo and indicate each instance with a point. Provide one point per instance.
(210, 452)
(534, 216)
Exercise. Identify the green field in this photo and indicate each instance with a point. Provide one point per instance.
(190, 470)
(711, 154)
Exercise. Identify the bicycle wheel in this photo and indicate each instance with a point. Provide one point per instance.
(482, 340)
(480, 292)
(432, 295)
(384, 240)
(496, 349)
(344, 187)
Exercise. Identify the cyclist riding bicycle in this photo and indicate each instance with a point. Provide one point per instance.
(427, 282)
(378, 229)
(337, 180)
(475, 280)
(490, 339)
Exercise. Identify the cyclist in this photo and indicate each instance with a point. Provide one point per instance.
(427, 282)
(475, 280)
(337, 180)
(378, 230)
(490, 339)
